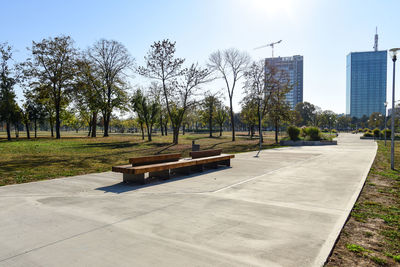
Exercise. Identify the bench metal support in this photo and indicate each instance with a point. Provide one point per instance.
(183, 170)
(160, 174)
(134, 178)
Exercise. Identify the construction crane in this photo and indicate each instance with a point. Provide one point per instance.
(271, 45)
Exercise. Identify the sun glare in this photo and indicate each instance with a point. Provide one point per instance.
(270, 8)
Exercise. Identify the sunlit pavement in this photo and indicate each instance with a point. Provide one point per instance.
(285, 208)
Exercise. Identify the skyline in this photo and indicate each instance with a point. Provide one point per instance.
(324, 33)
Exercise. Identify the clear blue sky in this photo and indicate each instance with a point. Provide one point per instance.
(323, 31)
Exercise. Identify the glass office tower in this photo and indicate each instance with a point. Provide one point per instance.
(366, 83)
(294, 68)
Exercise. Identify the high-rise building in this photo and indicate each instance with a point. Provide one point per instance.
(366, 82)
(293, 66)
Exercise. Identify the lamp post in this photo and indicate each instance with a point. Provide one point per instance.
(260, 98)
(393, 54)
(386, 103)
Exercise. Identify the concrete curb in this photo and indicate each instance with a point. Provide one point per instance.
(330, 242)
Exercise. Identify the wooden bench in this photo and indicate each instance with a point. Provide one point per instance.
(162, 166)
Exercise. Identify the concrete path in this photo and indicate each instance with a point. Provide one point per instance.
(285, 208)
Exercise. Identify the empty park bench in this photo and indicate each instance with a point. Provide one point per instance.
(162, 166)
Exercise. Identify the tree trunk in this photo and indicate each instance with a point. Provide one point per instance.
(16, 130)
(90, 128)
(35, 122)
(276, 132)
(166, 129)
(51, 126)
(28, 134)
(8, 131)
(148, 132)
(183, 129)
(161, 124)
(251, 131)
(232, 120)
(58, 135)
(141, 128)
(220, 130)
(106, 124)
(175, 135)
(94, 124)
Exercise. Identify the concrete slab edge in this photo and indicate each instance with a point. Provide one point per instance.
(329, 244)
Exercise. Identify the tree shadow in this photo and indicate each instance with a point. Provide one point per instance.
(122, 187)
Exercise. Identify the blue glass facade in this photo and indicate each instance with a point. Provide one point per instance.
(293, 66)
(366, 83)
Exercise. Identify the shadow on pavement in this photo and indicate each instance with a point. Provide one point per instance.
(125, 187)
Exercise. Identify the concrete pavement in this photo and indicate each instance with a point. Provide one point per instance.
(285, 208)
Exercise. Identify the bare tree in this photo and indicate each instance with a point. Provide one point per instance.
(111, 60)
(230, 64)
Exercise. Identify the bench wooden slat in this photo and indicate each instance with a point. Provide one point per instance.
(205, 153)
(170, 165)
(154, 159)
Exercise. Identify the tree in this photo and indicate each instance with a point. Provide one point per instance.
(208, 113)
(53, 65)
(33, 111)
(8, 79)
(73, 120)
(178, 85)
(343, 122)
(277, 86)
(111, 60)
(376, 120)
(306, 111)
(249, 113)
(255, 82)
(221, 115)
(88, 93)
(328, 119)
(230, 64)
(146, 109)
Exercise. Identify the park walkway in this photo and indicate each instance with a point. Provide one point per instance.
(285, 208)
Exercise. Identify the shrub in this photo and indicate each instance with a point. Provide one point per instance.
(368, 134)
(360, 130)
(313, 133)
(334, 131)
(325, 130)
(388, 133)
(366, 130)
(293, 133)
(376, 132)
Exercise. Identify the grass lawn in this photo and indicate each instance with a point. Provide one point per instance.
(371, 236)
(26, 160)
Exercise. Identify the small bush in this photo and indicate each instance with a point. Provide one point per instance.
(325, 130)
(293, 133)
(369, 134)
(366, 130)
(313, 133)
(334, 131)
(376, 132)
(360, 130)
(388, 133)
